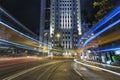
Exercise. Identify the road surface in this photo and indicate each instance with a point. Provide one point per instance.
(40, 70)
(53, 69)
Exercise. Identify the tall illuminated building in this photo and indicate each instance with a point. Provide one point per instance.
(44, 20)
(65, 20)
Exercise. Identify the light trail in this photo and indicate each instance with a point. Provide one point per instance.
(109, 49)
(118, 74)
(17, 31)
(103, 64)
(109, 38)
(16, 21)
(100, 32)
(17, 60)
(113, 13)
(19, 45)
(24, 34)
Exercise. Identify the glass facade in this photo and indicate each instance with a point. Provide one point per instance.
(65, 18)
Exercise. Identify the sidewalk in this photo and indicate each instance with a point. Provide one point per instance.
(101, 65)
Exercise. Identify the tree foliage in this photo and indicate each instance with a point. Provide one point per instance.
(103, 7)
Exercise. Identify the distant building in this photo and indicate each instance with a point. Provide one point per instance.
(65, 23)
(46, 36)
(44, 19)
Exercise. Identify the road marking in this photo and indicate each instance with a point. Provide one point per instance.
(76, 70)
(97, 68)
(28, 70)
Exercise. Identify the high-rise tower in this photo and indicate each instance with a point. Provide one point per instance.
(44, 20)
(65, 23)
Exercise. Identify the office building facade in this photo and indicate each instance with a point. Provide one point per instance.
(65, 23)
(44, 20)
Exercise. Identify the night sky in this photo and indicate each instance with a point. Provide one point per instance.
(25, 11)
(28, 11)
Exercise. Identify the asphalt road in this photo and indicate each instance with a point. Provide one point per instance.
(53, 70)
(17, 66)
(40, 70)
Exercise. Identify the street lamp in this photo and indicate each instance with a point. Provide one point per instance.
(58, 35)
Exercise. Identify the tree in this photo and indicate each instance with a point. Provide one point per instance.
(103, 7)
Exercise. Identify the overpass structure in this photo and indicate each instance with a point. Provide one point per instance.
(13, 35)
(103, 39)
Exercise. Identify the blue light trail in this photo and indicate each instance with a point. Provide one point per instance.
(107, 18)
(45, 44)
(17, 31)
(109, 49)
(104, 20)
(19, 45)
(23, 34)
(16, 21)
(100, 32)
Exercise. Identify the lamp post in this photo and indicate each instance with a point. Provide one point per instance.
(58, 37)
(45, 42)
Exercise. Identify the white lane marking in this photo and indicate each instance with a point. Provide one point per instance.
(76, 70)
(25, 71)
(84, 69)
(98, 68)
(103, 64)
